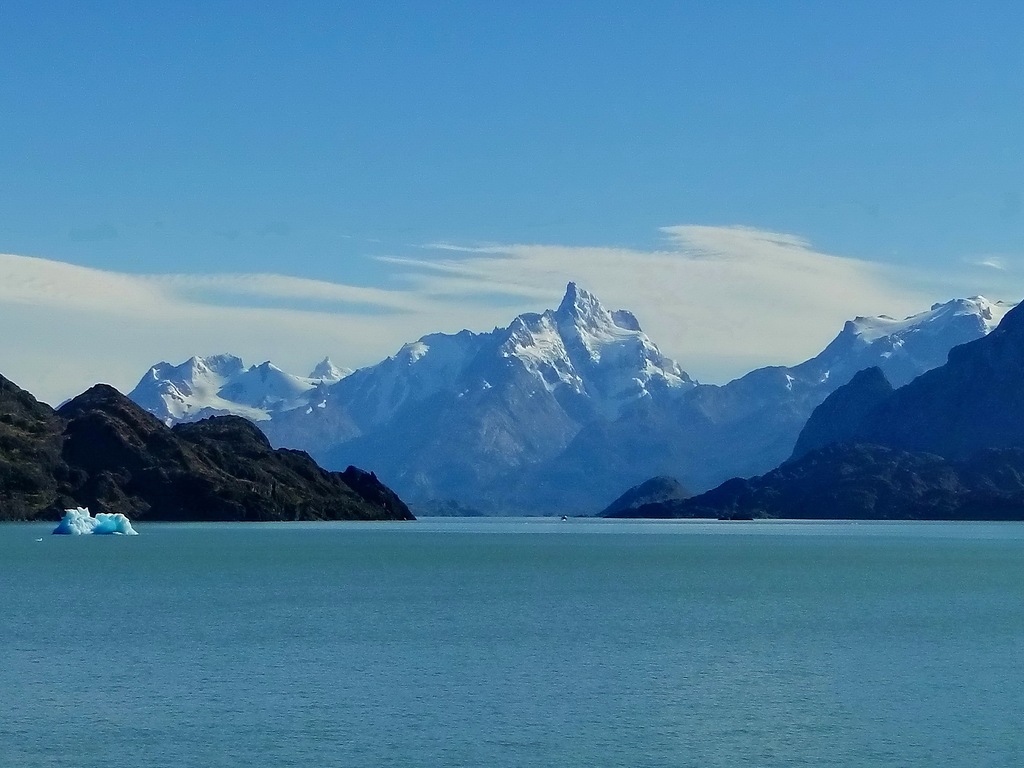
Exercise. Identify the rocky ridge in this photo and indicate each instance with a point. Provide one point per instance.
(103, 451)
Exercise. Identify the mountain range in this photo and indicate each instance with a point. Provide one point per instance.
(557, 412)
(947, 445)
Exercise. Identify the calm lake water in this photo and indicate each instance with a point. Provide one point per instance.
(514, 643)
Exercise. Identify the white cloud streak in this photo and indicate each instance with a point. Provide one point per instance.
(989, 262)
(721, 300)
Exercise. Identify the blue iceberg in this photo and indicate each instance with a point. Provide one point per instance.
(79, 521)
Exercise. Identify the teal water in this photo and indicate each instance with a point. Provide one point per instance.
(514, 643)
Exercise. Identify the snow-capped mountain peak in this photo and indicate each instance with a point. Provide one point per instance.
(326, 371)
(197, 377)
(582, 351)
(220, 384)
(907, 348)
(976, 311)
(582, 307)
(592, 351)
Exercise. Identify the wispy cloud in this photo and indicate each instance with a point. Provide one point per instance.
(994, 261)
(721, 300)
(70, 326)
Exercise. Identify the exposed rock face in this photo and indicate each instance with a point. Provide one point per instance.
(838, 418)
(654, 491)
(861, 482)
(103, 451)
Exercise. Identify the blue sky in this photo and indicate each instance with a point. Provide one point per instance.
(338, 142)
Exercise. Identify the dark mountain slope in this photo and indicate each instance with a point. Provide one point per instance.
(866, 482)
(839, 417)
(974, 401)
(656, 490)
(31, 468)
(216, 469)
(102, 451)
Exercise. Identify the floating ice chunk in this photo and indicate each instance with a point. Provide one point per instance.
(116, 524)
(78, 520)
